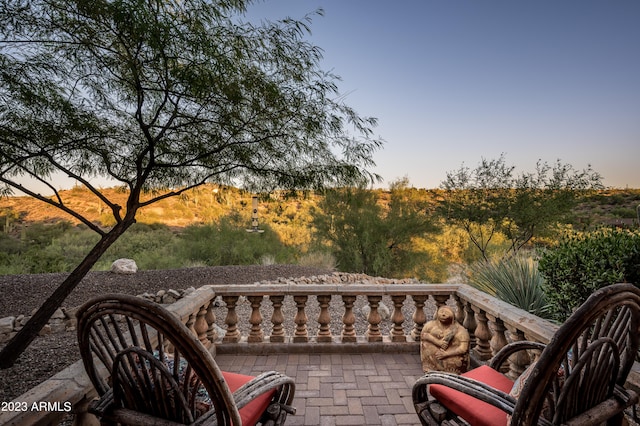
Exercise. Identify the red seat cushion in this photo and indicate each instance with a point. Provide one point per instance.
(250, 413)
(474, 411)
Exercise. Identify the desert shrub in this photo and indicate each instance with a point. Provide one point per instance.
(152, 246)
(624, 212)
(42, 234)
(45, 248)
(10, 245)
(515, 280)
(228, 243)
(318, 259)
(582, 263)
(12, 264)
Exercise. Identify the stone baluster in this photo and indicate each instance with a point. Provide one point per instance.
(419, 317)
(191, 323)
(519, 360)
(277, 335)
(397, 333)
(483, 335)
(324, 319)
(441, 300)
(210, 317)
(498, 339)
(256, 335)
(201, 327)
(373, 331)
(348, 320)
(233, 334)
(470, 324)
(301, 334)
(459, 309)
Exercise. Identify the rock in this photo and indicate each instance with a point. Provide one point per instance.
(124, 266)
(57, 327)
(174, 293)
(147, 295)
(220, 332)
(168, 299)
(6, 325)
(70, 313)
(70, 320)
(58, 315)
(45, 330)
(383, 310)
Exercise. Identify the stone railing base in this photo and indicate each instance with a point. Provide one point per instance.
(244, 348)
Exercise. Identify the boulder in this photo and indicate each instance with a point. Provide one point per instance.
(6, 324)
(124, 266)
(383, 310)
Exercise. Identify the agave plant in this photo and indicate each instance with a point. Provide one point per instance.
(515, 280)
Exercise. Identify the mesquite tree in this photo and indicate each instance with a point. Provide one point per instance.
(161, 97)
(493, 198)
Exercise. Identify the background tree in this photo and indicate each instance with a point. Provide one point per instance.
(493, 199)
(162, 97)
(369, 234)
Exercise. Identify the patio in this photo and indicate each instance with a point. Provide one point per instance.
(344, 374)
(342, 389)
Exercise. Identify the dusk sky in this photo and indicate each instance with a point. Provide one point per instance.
(452, 82)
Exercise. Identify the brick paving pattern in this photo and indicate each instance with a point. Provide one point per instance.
(342, 389)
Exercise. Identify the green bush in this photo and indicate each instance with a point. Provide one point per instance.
(582, 263)
(228, 243)
(515, 280)
(624, 212)
(151, 246)
(45, 248)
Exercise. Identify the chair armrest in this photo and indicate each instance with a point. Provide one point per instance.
(263, 383)
(104, 409)
(508, 350)
(469, 386)
(472, 387)
(608, 408)
(102, 405)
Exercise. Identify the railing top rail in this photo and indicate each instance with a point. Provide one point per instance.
(535, 327)
(338, 289)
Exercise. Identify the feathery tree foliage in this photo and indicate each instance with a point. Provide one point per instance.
(366, 236)
(161, 97)
(493, 199)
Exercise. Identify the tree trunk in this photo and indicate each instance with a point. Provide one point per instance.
(17, 345)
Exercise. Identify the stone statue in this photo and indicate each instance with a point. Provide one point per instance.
(444, 344)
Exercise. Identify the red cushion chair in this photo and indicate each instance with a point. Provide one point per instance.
(475, 411)
(578, 379)
(149, 368)
(250, 413)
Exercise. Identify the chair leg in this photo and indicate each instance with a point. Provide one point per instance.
(276, 414)
(425, 415)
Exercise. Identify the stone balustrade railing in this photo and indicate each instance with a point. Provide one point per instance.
(490, 322)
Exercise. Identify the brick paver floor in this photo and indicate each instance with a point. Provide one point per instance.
(342, 389)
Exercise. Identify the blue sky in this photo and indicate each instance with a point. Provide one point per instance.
(452, 82)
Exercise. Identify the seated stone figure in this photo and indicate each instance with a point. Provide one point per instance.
(444, 344)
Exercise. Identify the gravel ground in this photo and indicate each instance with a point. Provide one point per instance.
(48, 355)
